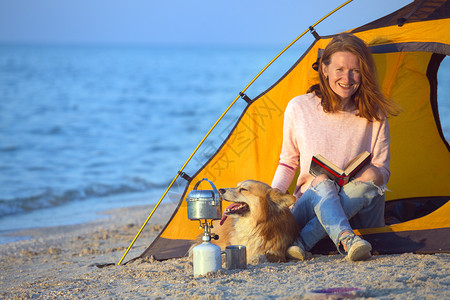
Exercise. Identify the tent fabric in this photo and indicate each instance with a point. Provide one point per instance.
(407, 59)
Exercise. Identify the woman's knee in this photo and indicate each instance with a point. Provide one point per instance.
(359, 190)
(319, 178)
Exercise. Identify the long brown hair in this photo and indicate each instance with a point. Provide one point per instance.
(368, 99)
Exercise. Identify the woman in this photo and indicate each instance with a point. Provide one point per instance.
(342, 116)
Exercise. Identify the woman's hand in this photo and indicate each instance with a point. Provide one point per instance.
(370, 173)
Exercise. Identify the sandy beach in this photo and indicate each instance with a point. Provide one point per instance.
(61, 263)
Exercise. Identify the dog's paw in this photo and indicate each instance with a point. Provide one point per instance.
(257, 259)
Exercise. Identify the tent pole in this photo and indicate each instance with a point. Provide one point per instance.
(293, 42)
(219, 119)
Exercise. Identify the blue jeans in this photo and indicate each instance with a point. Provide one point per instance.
(326, 209)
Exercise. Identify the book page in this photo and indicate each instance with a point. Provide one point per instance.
(354, 163)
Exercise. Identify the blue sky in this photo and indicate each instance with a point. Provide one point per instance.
(179, 21)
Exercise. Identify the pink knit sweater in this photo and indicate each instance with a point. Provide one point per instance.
(339, 137)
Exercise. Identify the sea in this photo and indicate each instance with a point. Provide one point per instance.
(85, 129)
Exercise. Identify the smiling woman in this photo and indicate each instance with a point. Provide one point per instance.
(343, 77)
(348, 80)
(344, 114)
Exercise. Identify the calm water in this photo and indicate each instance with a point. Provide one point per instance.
(84, 129)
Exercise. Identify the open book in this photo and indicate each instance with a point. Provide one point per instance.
(321, 165)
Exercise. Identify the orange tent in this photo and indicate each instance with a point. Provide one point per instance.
(408, 46)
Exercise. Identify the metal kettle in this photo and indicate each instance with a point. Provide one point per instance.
(204, 204)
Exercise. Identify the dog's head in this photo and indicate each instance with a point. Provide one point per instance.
(254, 198)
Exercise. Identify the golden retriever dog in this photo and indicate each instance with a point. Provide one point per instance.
(258, 218)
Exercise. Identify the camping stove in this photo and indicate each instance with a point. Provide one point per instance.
(205, 206)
